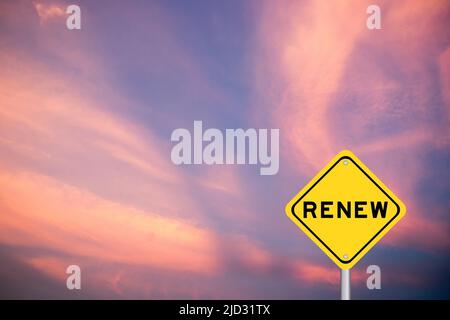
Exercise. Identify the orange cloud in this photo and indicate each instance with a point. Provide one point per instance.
(71, 220)
(47, 12)
(51, 266)
(312, 273)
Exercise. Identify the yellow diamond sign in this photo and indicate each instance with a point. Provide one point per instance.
(345, 209)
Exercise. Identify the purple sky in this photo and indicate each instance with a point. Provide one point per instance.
(85, 124)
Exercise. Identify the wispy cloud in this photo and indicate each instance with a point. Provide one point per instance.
(335, 85)
(49, 11)
(85, 171)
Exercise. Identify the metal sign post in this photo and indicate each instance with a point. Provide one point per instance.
(345, 284)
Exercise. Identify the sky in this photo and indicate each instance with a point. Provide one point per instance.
(85, 123)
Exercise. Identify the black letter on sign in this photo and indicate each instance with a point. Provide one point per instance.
(325, 208)
(347, 211)
(381, 209)
(306, 209)
(358, 208)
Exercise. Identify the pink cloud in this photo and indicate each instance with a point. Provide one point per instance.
(420, 233)
(307, 48)
(59, 123)
(52, 124)
(413, 138)
(308, 55)
(314, 273)
(101, 162)
(315, 54)
(444, 67)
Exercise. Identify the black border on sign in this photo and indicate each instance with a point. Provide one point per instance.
(315, 235)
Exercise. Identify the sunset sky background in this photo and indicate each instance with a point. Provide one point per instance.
(85, 123)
